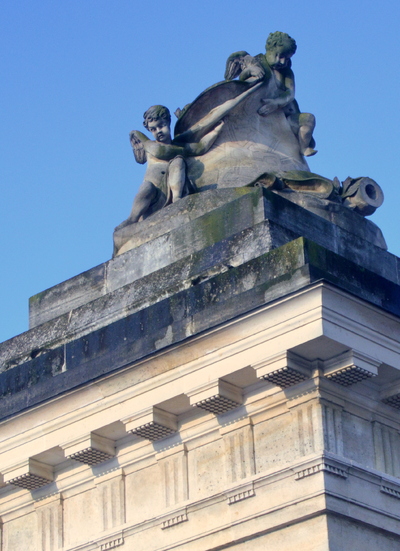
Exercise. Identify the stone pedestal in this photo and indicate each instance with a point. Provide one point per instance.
(231, 381)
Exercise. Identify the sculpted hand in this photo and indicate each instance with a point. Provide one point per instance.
(137, 140)
(259, 75)
(207, 141)
(269, 107)
(218, 127)
(255, 78)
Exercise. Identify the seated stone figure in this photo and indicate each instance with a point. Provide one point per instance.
(166, 178)
(276, 64)
(237, 133)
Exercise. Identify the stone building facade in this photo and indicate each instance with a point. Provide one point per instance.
(232, 381)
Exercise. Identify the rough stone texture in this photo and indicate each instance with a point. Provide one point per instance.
(339, 215)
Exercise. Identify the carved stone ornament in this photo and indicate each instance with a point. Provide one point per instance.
(247, 130)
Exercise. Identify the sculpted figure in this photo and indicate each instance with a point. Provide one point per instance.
(245, 131)
(276, 64)
(166, 178)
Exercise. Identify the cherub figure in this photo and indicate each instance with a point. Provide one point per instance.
(276, 64)
(166, 178)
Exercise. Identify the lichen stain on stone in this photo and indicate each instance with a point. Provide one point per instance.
(190, 328)
(249, 281)
(166, 340)
(287, 256)
(37, 298)
(214, 226)
(280, 280)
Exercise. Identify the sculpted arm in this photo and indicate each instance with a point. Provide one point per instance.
(166, 152)
(253, 70)
(201, 147)
(285, 97)
(246, 67)
(198, 130)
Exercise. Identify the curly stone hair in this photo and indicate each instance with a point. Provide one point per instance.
(282, 41)
(154, 113)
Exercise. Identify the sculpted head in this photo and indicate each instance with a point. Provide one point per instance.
(279, 49)
(157, 120)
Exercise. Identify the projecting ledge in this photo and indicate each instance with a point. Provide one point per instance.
(298, 272)
(152, 424)
(29, 474)
(390, 395)
(216, 397)
(90, 449)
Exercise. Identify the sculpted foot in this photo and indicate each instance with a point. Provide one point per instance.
(309, 152)
(125, 223)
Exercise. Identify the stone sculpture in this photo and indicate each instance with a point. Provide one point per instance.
(276, 65)
(167, 178)
(247, 130)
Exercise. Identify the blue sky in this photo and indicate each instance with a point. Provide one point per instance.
(77, 76)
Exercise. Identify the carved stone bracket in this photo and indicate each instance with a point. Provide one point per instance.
(239, 450)
(393, 401)
(386, 448)
(177, 517)
(111, 494)
(391, 396)
(152, 423)
(174, 468)
(351, 367)
(323, 466)
(216, 397)
(390, 491)
(111, 542)
(90, 449)
(29, 474)
(284, 369)
(50, 517)
(241, 493)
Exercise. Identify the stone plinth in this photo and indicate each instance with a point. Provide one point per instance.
(239, 392)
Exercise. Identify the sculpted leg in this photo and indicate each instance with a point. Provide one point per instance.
(307, 125)
(176, 177)
(146, 195)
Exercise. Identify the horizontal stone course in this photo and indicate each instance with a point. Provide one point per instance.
(196, 264)
(186, 227)
(180, 232)
(162, 283)
(199, 307)
(242, 224)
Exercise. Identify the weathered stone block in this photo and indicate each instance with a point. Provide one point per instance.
(202, 305)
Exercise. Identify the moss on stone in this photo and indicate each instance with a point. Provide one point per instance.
(37, 298)
(213, 227)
